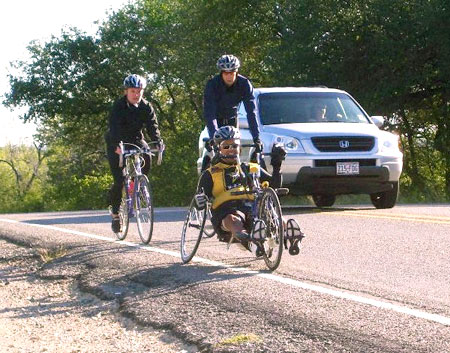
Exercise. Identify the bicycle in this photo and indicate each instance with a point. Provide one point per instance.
(136, 193)
(265, 206)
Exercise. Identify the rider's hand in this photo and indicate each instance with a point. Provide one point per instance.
(201, 200)
(209, 145)
(160, 145)
(258, 145)
(278, 155)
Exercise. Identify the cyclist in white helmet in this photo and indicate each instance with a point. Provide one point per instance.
(130, 114)
(231, 213)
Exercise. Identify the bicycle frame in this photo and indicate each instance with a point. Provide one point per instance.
(132, 170)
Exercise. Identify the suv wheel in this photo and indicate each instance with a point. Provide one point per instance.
(324, 200)
(386, 199)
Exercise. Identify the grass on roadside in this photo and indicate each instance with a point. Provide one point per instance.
(48, 255)
(240, 339)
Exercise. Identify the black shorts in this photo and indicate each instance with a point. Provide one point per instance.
(239, 207)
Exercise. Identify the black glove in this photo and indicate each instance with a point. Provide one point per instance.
(209, 145)
(258, 145)
(200, 201)
(278, 155)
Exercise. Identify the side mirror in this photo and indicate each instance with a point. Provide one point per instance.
(377, 120)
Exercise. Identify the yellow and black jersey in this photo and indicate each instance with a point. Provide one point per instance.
(221, 180)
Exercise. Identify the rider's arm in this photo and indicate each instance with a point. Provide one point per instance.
(250, 107)
(152, 123)
(210, 108)
(205, 184)
(115, 117)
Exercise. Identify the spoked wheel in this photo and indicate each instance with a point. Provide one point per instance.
(144, 209)
(123, 215)
(208, 229)
(269, 210)
(192, 232)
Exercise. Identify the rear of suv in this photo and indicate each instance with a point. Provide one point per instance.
(333, 146)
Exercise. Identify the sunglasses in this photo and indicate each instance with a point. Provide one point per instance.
(227, 147)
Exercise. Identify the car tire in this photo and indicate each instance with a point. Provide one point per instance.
(324, 200)
(386, 199)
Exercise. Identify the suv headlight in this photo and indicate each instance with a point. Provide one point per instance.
(390, 143)
(291, 144)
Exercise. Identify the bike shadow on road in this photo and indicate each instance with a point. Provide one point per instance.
(176, 215)
(169, 279)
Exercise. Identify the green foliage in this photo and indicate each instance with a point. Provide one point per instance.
(22, 176)
(392, 55)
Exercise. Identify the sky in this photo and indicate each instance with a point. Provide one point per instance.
(22, 21)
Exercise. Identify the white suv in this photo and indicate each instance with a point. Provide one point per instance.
(333, 146)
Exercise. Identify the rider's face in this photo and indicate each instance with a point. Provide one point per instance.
(230, 148)
(134, 95)
(229, 77)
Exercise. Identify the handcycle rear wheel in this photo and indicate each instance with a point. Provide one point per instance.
(144, 209)
(192, 232)
(269, 210)
(123, 216)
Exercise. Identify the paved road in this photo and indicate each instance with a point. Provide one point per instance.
(366, 280)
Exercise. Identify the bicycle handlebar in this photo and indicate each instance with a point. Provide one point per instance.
(139, 150)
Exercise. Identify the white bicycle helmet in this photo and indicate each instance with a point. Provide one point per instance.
(134, 81)
(226, 133)
(228, 63)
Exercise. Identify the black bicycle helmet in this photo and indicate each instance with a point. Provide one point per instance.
(134, 81)
(226, 133)
(228, 63)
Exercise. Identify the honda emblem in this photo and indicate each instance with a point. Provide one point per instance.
(344, 144)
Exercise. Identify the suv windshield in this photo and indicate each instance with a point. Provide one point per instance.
(308, 107)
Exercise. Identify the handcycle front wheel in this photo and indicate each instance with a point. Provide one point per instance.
(208, 229)
(269, 210)
(144, 208)
(123, 216)
(192, 232)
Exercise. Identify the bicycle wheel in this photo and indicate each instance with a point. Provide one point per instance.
(192, 232)
(208, 229)
(144, 208)
(123, 215)
(269, 210)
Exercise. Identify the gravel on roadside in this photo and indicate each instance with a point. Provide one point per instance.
(42, 315)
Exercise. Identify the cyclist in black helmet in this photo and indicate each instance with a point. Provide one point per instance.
(222, 96)
(130, 114)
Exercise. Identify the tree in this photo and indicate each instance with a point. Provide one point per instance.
(22, 174)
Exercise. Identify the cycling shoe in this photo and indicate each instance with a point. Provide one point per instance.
(115, 225)
(294, 236)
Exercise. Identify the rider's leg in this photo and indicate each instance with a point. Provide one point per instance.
(115, 193)
(234, 224)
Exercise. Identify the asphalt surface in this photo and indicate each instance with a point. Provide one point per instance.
(365, 280)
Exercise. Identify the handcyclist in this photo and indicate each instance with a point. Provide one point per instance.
(231, 214)
(130, 114)
(222, 96)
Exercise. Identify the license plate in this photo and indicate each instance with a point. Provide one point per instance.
(347, 168)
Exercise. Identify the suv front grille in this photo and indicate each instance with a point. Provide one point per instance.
(343, 143)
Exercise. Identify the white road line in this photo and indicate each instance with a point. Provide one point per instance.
(292, 282)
